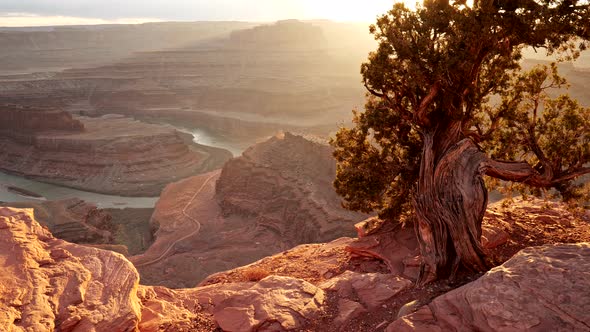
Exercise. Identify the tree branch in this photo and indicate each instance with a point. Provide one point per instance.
(534, 144)
(515, 172)
(496, 118)
(373, 92)
(572, 175)
(525, 173)
(421, 114)
(404, 113)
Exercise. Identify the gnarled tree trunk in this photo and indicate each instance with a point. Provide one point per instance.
(450, 203)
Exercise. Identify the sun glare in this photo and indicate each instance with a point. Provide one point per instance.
(350, 10)
(245, 10)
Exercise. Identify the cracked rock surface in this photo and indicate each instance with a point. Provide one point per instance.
(539, 289)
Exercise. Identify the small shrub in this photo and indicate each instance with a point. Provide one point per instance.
(254, 274)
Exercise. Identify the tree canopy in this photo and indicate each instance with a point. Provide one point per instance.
(446, 79)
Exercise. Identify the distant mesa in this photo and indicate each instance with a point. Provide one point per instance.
(110, 154)
(52, 48)
(232, 79)
(286, 34)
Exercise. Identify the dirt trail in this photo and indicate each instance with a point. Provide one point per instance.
(193, 220)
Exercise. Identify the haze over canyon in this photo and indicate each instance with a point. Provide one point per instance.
(178, 176)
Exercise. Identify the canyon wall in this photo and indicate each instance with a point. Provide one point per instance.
(56, 48)
(277, 195)
(14, 118)
(112, 155)
(126, 231)
(246, 84)
(285, 184)
(72, 220)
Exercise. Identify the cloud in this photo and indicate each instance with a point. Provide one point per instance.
(163, 9)
(198, 10)
(28, 19)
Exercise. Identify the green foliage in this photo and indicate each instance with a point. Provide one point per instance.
(447, 64)
(541, 130)
(378, 161)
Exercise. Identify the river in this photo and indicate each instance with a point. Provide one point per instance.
(55, 192)
(201, 136)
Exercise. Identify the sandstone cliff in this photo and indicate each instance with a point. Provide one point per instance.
(14, 119)
(278, 194)
(126, 231)
(72, 220)
(112, 154)
(290, 34)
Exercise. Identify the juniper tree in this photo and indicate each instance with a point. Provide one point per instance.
(448, 104)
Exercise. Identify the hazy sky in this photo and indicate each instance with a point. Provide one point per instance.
(50, 12)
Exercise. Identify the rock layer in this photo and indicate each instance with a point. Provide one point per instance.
(285, 184)
(112, 155)
(41, 49)
(72, 220)
(15, 120)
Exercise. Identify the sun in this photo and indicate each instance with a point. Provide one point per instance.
(350, 10)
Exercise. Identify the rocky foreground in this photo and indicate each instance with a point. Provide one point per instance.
(48, 284)
(110, 154)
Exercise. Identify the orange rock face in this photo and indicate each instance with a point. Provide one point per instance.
(48, 284)
(51, 285)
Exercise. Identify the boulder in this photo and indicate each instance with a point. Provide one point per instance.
(539, 289)
(372, 289)
(48, 284)
(273, 304)
(394, 244)
(347, 311)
